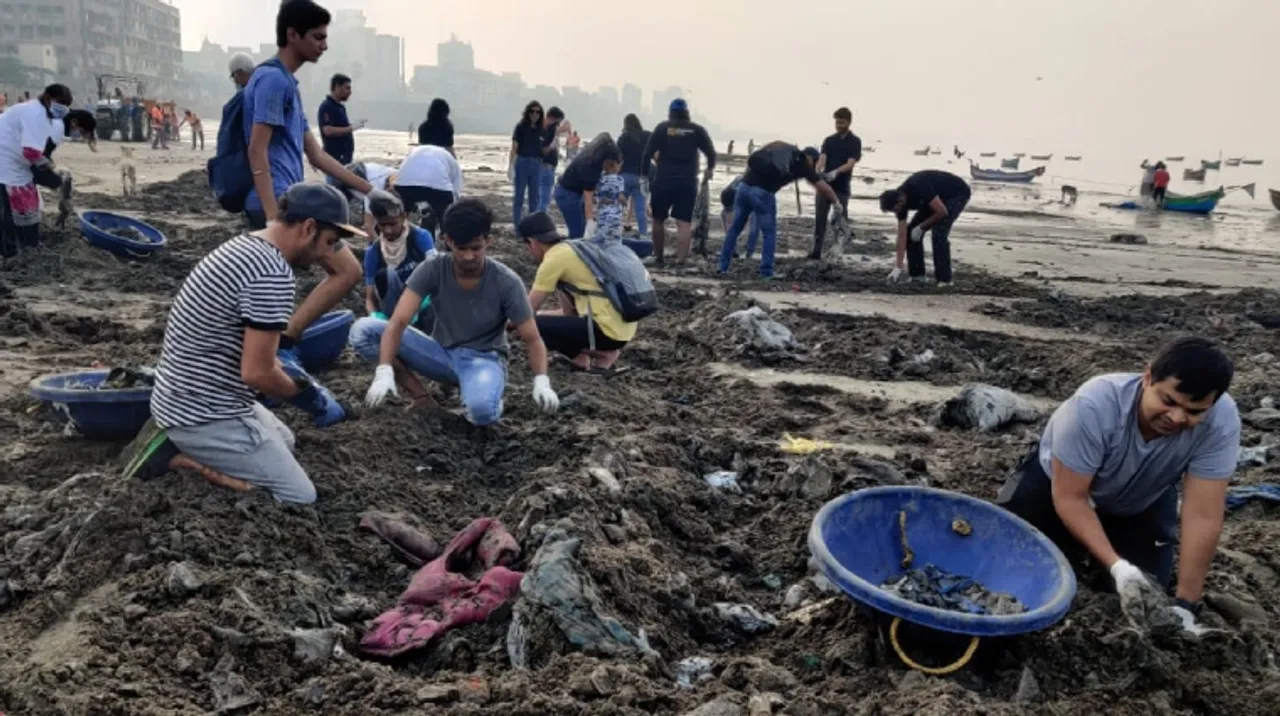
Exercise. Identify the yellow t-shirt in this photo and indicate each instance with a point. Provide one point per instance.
(562, 265)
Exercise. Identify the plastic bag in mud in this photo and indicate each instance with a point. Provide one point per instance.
(557, 589)
(839, 227)
(762, 332)
(985, 408)
(702, 217)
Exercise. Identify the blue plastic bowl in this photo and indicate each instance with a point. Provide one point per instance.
(857, 544)
(323, 341)
(106, 413)
(95, 225)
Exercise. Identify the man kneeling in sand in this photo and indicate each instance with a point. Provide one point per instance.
(1104, 477)
(219, 353)
(475, 297)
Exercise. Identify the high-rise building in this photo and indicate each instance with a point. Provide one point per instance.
(632, 99)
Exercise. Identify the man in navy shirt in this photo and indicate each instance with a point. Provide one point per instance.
(336, 132)
(840, 153)
(277, 136)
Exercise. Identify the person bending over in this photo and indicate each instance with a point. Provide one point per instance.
(398, 249)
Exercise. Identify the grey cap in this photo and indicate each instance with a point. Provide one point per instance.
(241, 62)
(322, 203)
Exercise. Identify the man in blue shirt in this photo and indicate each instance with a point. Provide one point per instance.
(278, 137)
(336, 132)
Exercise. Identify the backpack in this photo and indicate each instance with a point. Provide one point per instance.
(621, 275)
(230, 176)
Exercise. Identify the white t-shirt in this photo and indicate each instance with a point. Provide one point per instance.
(22, 125)
(431, 167)
(377, 175)
(58, 132)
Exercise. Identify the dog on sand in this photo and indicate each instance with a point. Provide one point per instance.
(128, 172)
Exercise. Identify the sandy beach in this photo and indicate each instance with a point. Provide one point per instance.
(93, 619)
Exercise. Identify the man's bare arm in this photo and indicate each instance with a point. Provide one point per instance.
(260, 165)
(343, 273)
(1203, 511)
(321, 160)
(1071, 502)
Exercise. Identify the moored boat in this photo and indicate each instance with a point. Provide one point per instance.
(1205, 164)
(980, 174)
(1252, 162)
(1193, 174)
(1042, 157)
(987, 155)
(1234, 161)
(1174, 159)
(1203, 203)
(921, 152)
(1275, 198)
(1072, 157)
(1009, 163)
(1019, 155)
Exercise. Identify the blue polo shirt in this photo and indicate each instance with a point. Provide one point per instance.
(272, 98)
(334, 114)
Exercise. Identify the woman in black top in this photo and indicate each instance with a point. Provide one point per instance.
(525, 167)
(631, 144)
(437, 130)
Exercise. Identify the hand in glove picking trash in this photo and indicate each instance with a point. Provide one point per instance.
(384, 384)
(1138, 595)
(511, 171)
(831, 175)
(917, 234)
(1188, 621)
(543, 395)
(591, 228)
(316, 400)
(896, 274)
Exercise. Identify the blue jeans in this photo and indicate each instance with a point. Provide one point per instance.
(481, 376)
(636, 194)
(761, 205)
(546, 180)
(528, 173)
(753, 234)
(574, 210)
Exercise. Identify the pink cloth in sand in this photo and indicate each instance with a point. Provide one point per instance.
(441, 596)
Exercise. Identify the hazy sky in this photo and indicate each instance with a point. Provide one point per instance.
(1143, 76)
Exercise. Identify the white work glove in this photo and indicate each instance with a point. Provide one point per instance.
(591, 228)
(511, 172)
(644, 185)
(1138, 595)
(831, 175)
(896, 274)
(543, 395)
(917, 234)
(1188, 620)
(384, 384)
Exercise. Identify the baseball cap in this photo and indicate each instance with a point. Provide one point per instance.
(679, 105)
(322, 203)
(812, 153)
(539, 227)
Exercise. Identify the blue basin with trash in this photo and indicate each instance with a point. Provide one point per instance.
(96, 227)
(322, 342)
(96, 412)
(858, 544)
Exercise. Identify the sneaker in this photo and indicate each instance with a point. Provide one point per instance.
(944, 284)
(919, 279)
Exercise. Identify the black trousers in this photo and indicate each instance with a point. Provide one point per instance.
(940, 236)
(568, 335)
(438, 200)
(822, 210)
(1148, 539)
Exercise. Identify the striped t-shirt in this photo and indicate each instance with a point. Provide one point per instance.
(245, 282)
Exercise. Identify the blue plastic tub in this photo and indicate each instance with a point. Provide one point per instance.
(111, 413)
(323, 341)
(857, 544)
(96, 225)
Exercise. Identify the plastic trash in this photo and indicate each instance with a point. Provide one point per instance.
(986, 408)
(724, 480)
(1238, 497)
(761, 332)
(692, 670)
(1254, 456)
(558, 586)
(802, 446)
(745, 618)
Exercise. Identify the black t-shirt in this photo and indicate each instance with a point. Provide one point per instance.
(528, 139)
(333, 114)
(582, 173)
(438, 134)
(840, 150)
(776, 165)
(632, 145)
(922, 187)
(678, 145)
(551, 158)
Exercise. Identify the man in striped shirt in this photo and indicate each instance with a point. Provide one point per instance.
(220, 347)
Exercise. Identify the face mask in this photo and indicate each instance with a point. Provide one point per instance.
(58, 110)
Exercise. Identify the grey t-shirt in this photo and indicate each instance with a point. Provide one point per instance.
(1095, 432)
(477, 318)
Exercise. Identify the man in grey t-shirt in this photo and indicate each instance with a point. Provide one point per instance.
(1105, 474)
(475, 297)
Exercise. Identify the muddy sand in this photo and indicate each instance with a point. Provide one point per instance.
(174, 597)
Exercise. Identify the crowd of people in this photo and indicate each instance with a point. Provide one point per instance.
(1102, 481)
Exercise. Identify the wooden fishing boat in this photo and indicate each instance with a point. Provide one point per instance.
(1019, 155)
(1174, 159)
(1252, 162)
(1275, 198)
(1203, 203)
(1234, 161)
(980, 174)
(1205, 164)
(987, 155)
(869, 150)
(1072, 157)
(921, 152)
(1009, 163)
(1193, 174)
(935, 151)
(1042, 157)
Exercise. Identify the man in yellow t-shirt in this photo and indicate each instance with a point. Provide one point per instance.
(583, 314)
